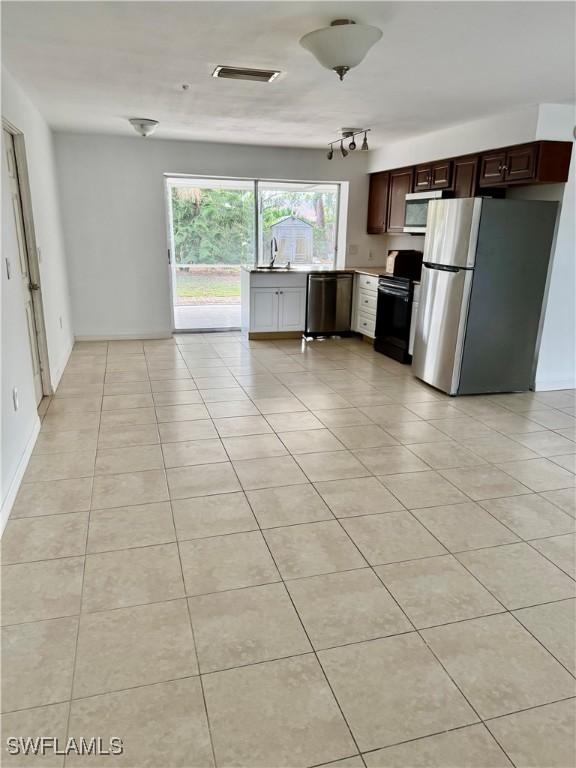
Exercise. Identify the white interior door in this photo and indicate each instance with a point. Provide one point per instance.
(16, 222)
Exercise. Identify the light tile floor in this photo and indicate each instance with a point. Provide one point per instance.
(235, 553)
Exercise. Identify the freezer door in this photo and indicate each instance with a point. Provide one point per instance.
(441, 326)
(452, 231)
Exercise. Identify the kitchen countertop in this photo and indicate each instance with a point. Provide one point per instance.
(311, 270)
(297, 268)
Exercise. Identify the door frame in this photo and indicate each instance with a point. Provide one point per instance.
(32, 254)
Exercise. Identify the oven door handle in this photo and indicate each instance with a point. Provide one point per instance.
(397, 294)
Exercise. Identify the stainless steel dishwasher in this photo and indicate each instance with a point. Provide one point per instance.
(329, 303)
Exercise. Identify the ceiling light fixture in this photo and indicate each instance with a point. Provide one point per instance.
(348, 133)
(342, 45)
(143, 125)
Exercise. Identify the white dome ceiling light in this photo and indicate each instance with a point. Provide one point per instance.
(342, 45)
(143, 125)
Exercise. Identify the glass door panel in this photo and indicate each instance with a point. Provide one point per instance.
(213, 233)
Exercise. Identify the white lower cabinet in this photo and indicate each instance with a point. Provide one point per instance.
(277, 309)
(264, 309)
(365, 302)
(292, 309)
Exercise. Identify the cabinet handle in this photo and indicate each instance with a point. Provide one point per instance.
(281, 292)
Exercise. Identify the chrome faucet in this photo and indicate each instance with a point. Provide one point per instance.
(273, 251)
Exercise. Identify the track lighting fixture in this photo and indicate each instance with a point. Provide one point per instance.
(348, 133)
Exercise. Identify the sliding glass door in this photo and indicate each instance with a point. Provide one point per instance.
(212, 236)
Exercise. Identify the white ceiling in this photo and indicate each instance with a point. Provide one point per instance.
(91, 65)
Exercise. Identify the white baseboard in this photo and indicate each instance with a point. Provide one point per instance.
(127, 336)
(8, 502)
(546, 385)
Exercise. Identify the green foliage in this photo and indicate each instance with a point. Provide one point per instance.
(216, 226)
(213, 226)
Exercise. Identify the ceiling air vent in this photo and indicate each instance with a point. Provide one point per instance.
(243, 73)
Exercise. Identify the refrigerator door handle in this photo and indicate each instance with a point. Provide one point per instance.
(441, 267)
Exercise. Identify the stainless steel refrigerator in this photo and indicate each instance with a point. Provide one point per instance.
(483, 282)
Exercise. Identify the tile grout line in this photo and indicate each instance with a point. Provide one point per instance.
(82, 586)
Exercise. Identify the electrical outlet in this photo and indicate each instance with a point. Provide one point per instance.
(15, 400)
(370, 255)
(353, 249)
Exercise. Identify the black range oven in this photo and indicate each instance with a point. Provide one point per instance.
(393, 315)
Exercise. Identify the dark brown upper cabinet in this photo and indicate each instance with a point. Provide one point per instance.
(492, 168)
(441, 175)
(401, 183)
(432, 176)
(538, 163)
(465, 173)
(422, 176)
(378, 203)
(521, 163)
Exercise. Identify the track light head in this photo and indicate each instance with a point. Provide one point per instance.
(330, 153)
(343, 150)
(352, 145)
(365, 147)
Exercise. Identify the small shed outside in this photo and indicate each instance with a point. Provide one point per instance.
(295, 238)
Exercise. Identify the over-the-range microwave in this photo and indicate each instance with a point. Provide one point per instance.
(416, 211)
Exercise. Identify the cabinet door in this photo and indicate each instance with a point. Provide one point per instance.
(291, 309)
(492, 166)
(465, 173)
(440, 175)
(400, 186)
(521, 163)
(264, 309)
(422, 178)
(377, 203)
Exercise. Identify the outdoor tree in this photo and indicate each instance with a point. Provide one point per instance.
(216, 226)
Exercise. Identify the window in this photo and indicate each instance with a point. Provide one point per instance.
(301, 219)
